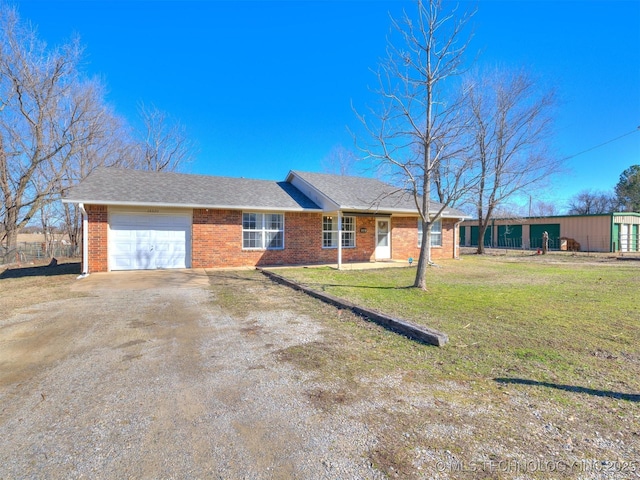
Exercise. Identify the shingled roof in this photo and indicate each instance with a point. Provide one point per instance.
(360, 193)
(115, 186)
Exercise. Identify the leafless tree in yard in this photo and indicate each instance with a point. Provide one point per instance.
(48, 114)
(589, 202)
(340, 161)
(417, 128)
(511, 120)
(110, 146)
(541, 208)
(164, 144)
(56, 128)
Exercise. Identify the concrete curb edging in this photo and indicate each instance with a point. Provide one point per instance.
(411, 330)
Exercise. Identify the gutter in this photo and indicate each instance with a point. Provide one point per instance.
(117, 203)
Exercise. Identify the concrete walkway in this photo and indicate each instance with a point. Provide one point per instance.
(349, 266)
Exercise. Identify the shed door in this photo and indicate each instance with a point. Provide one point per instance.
(510, 236)
(475, 233)
(147, 242)
(536, 231)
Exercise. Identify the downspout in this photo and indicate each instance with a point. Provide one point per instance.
(339, 240)
(85, 242)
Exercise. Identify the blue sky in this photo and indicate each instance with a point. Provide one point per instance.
(265, 87)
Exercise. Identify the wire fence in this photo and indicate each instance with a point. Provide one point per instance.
(33, 251)
(591, 243)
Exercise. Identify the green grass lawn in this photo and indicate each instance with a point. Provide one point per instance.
(567, 322)
(542, 365)
(570, 323)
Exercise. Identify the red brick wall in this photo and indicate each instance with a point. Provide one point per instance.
(449, 233)
(404, 239)
(217, 241)
(97, 222)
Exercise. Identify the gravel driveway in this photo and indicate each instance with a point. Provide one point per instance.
(147, 375)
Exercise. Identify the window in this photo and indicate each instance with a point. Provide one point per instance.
(264, 231)
(436, 233)
(330, 232)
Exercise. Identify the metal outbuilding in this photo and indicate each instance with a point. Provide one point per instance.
(610, 232)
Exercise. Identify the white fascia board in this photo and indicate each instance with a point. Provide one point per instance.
(403, 211)
(183, 205)
(326, 203)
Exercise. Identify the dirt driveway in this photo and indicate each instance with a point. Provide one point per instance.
(162, 375)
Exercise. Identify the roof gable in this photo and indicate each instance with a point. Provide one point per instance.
(360, 194)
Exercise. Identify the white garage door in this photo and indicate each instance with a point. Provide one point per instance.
(146, 242)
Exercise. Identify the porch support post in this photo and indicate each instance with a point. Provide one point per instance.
(339, 240)
(456, 238)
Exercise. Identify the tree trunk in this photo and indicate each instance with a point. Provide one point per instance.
(11, 227)
(421, 273)
(481, 229)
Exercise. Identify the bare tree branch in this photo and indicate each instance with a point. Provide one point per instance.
(165, 145)
(417, 130)
(511, 120)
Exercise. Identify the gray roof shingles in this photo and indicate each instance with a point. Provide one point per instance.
(115, 186)
(136, 187)
(360, 193)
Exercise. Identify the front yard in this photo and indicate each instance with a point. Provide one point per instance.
(541, 372)
(143, 374)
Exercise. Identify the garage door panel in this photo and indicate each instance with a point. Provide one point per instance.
(140, 241)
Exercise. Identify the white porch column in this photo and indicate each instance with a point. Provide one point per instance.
(456, 238)
(339, 240)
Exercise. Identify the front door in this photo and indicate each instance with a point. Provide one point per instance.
(383, 239)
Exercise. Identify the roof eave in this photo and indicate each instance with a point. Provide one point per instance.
(445, 214)
(183, 205)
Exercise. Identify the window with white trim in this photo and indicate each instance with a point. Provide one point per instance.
(262, 231)
(436, 233)
(330, 232)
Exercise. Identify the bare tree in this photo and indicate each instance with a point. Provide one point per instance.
(541, 208)
(417, 128)
(590, 202)
(48, 115)
(340, 161)
(111, 146)
(164, 144)
(510, 124)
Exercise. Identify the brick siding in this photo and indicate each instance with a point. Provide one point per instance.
(216, 240)
(97, 216)
(404, 239)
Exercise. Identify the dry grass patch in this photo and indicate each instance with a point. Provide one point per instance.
(23, 286)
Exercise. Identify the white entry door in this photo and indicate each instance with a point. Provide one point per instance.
(383, 239)
(147, 242)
